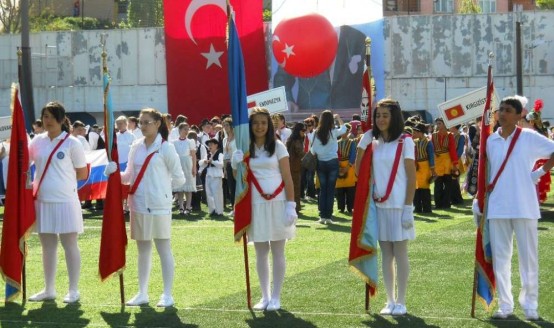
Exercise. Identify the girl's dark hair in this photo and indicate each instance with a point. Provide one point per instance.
(269, 144)
(180, 119)
(192, 135)
(298, 127)
(326, 125)
(57, 110)
(183, 125)
(514, 102)
(157, 116)
(396, 126)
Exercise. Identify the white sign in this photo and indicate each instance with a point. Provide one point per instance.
(275, 100)
(5, 127)
(465, 108)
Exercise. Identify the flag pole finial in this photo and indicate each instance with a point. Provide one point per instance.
(491, 57)
(19, 55)
(368, 46)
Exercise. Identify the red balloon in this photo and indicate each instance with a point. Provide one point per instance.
(305, 46)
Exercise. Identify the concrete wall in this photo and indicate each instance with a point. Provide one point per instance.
(434, 58)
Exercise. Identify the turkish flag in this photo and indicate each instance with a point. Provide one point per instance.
(196, 54)
(454, 112)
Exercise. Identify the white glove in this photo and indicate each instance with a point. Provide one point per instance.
(291, 215)
(110, 168)
(537, 174)
(238, 157)
(475, 208)
(408, 217)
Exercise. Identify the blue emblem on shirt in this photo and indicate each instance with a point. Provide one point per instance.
(60, 155)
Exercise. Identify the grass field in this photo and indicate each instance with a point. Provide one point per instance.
(319, 290)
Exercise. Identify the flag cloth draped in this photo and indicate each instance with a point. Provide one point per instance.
(367, 99)
(113, 241)
(19, 212)
(241, 128)
(486, 285)
(363, 237)
(195, 35)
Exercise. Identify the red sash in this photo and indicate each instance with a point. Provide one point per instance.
(48, 164)
(259, 188)
(491, 186)
(142, 170)
(393, 172)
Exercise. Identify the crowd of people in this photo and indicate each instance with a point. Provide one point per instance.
(168, 163)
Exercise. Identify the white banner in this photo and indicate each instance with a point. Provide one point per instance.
(5, 127)
(465, 108)
(275, 100)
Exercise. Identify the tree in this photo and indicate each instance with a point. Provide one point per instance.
(545, 4)
(469, 7)
(9, 16)
(145, 13)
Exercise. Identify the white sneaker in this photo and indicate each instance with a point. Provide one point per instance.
(399, 309)
(502, 314)
(43, 296)
(531, 314)
(329, 221)
(322, 221)
(274, 305)
(72, 297)
(165, 301)
(139, 299)
(387, 310)
(261, 305)
(231, 214)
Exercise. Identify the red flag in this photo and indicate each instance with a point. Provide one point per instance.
(367, 99)
(454, 112)
(196, 54)
(19, 213)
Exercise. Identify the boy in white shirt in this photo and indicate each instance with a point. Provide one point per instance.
(214, 175)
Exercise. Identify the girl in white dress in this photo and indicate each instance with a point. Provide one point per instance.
(150, 201)
(60, 161)
(186, 149)
(273, 220)
(394, 208)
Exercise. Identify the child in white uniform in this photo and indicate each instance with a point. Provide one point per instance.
(186, 149)
(57, 206)
(214, 178)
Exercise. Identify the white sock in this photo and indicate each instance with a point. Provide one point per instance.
(144, 264)
(180, 197)
(49, 244)
(402, 269)
(262, 267)
(279, 267)
(72, 259)
(168, 263)
(388, 269)
(189, 199)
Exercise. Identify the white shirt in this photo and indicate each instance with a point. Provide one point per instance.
(515, 195)
(267, 171)
(60, 182)
(137, 133)
(366, 139)
(229, 148)
(93, 140)
(84, 142)
(384, 154)
(328, 151)
(284, 134)
(215, 171)
(124, 142)
(173, 134)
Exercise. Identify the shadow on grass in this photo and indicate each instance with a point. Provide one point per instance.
(282, 317)
(514, 321)
(407, 320)
(49, 312)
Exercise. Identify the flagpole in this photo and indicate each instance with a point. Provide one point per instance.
(369, 100)
(23, 268)
(247, 272)
(109, 148)
(474, 294)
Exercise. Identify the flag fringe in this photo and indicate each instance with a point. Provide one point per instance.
(118, 272)
(365, 278)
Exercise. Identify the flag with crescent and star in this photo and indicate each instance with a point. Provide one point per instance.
(196, 54)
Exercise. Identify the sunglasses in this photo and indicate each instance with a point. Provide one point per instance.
(145, 123)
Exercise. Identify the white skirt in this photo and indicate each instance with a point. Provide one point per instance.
(389, 221)
(148, 226)
(190, 183)
(59, 217)
(268, 222)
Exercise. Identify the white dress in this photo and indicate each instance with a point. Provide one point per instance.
(183, 148)
(389, 213)
(269, 216)
(57, 205)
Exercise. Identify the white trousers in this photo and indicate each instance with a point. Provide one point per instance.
(214, 193)
(501, 235)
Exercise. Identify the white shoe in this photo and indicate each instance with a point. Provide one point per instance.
(261, 306)
(399, 309)
(43, 296)
(322, 221)
(531, 315)
(72, 297)
(139, 299)
(165, 301)
(231, 214)
(502, 314)
(329, 221)
(387, 310)
(274, 305)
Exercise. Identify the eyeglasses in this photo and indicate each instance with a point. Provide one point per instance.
(145, 123)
